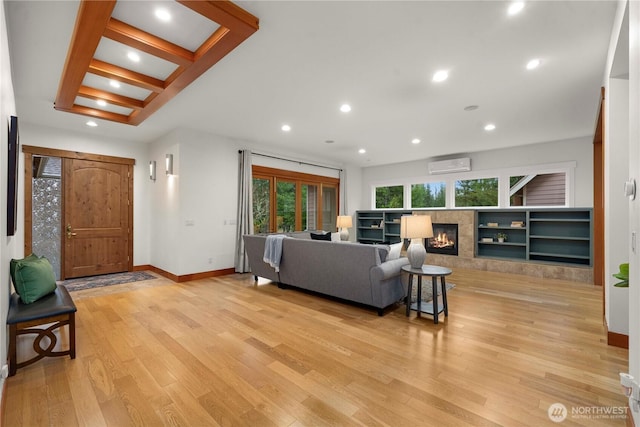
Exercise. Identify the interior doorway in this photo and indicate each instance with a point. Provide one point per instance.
(79, 211)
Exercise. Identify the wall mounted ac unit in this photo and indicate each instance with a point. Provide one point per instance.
(448, 166)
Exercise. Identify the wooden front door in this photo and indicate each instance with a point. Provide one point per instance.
(96, 217)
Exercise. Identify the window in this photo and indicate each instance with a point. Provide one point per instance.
(477, 192)
(546, 189)
(390, 197)
(428, 195)
(286, 206)
(285, 201)
(261, 205)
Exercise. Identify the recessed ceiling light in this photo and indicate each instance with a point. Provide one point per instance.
(471, 107)
(114, 83)
(329, 141)
(163, 15)
(515, 8)
(345, 108)
(101, 102)
(490, 127)
(415, 141)
(362, 151)
(133, 56)
(92, 124)
(533, 64)
(286, 128)
(440, 76)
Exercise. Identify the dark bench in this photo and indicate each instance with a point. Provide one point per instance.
(56, 309)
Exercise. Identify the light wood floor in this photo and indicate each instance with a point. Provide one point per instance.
(225, 351)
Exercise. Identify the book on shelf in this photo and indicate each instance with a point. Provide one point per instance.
(492, 224)
(517, 223)
(487, 239)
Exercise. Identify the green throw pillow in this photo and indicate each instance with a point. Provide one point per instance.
(33, 278)
(14, 264)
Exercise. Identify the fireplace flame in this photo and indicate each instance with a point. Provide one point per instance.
(442, 241)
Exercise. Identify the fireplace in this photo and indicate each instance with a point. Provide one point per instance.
(444, 240)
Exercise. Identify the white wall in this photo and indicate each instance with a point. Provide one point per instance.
(94, 142)
(10, 247)
(194, 212)
(616, 204)
(634, 206)
(579, 150)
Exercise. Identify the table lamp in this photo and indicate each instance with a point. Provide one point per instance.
(416, 228)
(344, 223)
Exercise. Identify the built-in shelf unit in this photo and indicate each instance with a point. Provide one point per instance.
(560, 235)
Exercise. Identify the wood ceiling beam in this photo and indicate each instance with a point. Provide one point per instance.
(225, 14)
(112, 98)
(92, 18)
(148, 43)
(99, 114)
(111, 71)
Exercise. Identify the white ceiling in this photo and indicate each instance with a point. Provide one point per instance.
(309, 57)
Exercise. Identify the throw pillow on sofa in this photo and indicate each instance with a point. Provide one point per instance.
(33, 278)
(394, 251)
(321, 236)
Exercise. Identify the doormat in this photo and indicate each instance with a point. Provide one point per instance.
(105, 280)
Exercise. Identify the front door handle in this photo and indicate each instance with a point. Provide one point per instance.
(69, 233)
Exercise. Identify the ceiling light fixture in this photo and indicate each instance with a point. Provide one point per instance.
(534, 63)
(515, 8)
(285, 128)
(362, 151)
(489, 127)
(345, 108)
(133, 56)
(471, 107)
(114, 83)
(101, 102)
(329, 141)
(415, 141)
(92, 124)
(163, 15)
(440, 76)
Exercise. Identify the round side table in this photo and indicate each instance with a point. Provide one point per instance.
(431, 308)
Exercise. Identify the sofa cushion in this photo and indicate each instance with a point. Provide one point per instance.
(33, 278)
(321, 236)
(394, 251)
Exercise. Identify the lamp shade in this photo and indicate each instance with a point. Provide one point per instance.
(416, 227)
(344, 221)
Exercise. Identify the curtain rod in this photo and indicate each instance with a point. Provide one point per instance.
(293, 161)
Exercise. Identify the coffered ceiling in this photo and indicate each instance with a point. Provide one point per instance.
(310, 57)
(124, 73)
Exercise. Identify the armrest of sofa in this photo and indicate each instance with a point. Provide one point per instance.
(388, 269)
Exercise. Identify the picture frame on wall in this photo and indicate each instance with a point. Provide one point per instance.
(12, 181)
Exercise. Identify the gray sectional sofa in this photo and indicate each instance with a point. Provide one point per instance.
(349, 271)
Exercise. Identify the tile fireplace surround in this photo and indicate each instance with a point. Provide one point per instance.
(466, 259)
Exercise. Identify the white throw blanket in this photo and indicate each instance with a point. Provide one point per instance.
(273, 250)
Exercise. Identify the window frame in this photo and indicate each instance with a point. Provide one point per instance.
(299, 178)
(503, 175)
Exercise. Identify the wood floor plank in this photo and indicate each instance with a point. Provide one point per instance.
(227, 351)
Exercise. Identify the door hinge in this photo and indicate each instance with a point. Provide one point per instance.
(127, 202)
(128, 174)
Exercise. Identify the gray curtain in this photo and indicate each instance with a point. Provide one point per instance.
(245, 210)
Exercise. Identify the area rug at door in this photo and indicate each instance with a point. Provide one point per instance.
(105, 280)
